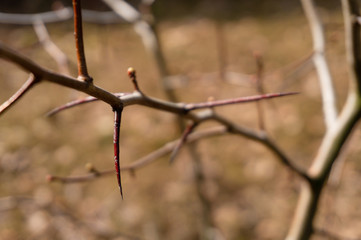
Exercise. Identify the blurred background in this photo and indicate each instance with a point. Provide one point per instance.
(237, 190)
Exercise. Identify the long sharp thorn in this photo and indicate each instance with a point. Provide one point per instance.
(117, 120)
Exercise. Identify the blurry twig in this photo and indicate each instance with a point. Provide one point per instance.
(144, 161)
(331, 236)
(260, 89)
(324, 75)
(335, 138)
(44, 38)
(61, 15)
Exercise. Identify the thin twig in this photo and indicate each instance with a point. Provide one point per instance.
(210, 104)
(144, 161)
(32, 80)
(77, 103)
(264, 140)
(332, 236)
(79, 43)
(228, 127)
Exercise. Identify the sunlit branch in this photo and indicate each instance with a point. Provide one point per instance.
(335, 138)
(324, 75)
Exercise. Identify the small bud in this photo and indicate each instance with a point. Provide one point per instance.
(49, 178)
(131, 72)
(89, 167)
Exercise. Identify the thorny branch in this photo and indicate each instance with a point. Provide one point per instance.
(319, 59)
(315, 176)
(122, 100)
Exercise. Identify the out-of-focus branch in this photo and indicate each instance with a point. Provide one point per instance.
(337, 135)
(124, 10)
(61, 15)
(55, 52)
(29, 19)
(144, 161)
(332, 236)
(353, 45)
(260, 88)
(79, 43)
(32, 80)
(334, 139)
(324, 75)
